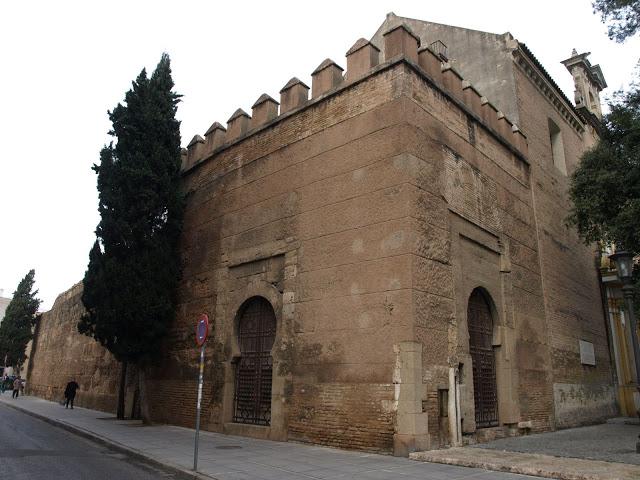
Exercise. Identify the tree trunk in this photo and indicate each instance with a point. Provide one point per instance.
(121, 391)
(135, 404)
(144, 399)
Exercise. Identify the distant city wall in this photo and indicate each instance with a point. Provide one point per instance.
(59, 353)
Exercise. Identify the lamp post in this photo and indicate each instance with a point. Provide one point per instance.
(623, 261)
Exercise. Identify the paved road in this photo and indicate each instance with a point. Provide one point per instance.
(31, 449)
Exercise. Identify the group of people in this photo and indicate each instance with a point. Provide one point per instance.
(18, 386)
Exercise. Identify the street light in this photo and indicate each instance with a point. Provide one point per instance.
(623, 261)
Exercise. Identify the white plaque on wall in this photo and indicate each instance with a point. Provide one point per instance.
(587, 355)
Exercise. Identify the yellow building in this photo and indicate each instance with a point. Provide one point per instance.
(621, 343)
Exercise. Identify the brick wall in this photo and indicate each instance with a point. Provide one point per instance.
(573, 304)
(343, 415)
(313, 210)
(365, 230)
(366, 219)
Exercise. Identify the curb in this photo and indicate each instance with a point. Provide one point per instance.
(181, 472)
(495, 467)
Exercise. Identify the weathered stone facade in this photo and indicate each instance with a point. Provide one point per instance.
(368, 216)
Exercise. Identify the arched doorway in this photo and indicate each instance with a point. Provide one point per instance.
(256, 334)
(485, 392)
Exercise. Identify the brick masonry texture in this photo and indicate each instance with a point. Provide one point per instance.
(367, 217)
(62, 354)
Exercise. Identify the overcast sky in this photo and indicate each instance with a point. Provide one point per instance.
(64, 64)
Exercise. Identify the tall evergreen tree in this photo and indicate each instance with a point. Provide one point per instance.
(20, 317)
(130, 283)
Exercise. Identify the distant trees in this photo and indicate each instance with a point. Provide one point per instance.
(131, 279)
(20, 317)
(623, 16)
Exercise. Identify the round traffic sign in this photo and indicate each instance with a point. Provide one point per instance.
(202, 329)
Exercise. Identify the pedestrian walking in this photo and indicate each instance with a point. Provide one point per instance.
(70, 393)
(3, 385)
(17, 383)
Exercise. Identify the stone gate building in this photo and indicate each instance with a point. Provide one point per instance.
(385, 262)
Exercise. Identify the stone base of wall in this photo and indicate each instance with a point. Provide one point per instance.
(580, 404)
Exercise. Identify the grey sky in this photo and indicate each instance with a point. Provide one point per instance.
(64, 64)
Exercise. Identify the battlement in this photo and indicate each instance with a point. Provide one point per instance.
(363, 59)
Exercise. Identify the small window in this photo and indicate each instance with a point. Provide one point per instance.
(592, 102)
(557, 147)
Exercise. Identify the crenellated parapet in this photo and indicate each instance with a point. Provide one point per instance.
(264, 110)
(401, 42)
(326, 77)
(215, 136)
(363, 59)
(293, 95)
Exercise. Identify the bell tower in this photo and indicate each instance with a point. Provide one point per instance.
(589, 82)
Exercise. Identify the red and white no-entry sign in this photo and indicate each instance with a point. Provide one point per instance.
(202, 329)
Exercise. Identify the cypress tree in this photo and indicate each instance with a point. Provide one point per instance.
(20, 317)
(131, 279)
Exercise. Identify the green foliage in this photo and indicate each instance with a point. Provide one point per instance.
(605, 188)
(131, 279)
(20, 317)
(624, 15)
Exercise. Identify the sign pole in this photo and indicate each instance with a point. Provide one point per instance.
(195, 451)
(202, 331)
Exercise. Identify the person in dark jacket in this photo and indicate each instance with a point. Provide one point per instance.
(17, 383)
(70, 393)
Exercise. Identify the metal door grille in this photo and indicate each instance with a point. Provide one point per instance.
(256, 334)
(485, 394)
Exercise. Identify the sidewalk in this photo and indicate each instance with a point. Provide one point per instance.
(531, 464)
(226, 457)
(596, 452)
(614, 441)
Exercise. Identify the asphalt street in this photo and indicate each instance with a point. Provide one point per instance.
(31, 449)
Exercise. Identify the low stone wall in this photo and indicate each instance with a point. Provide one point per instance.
(59, 353)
